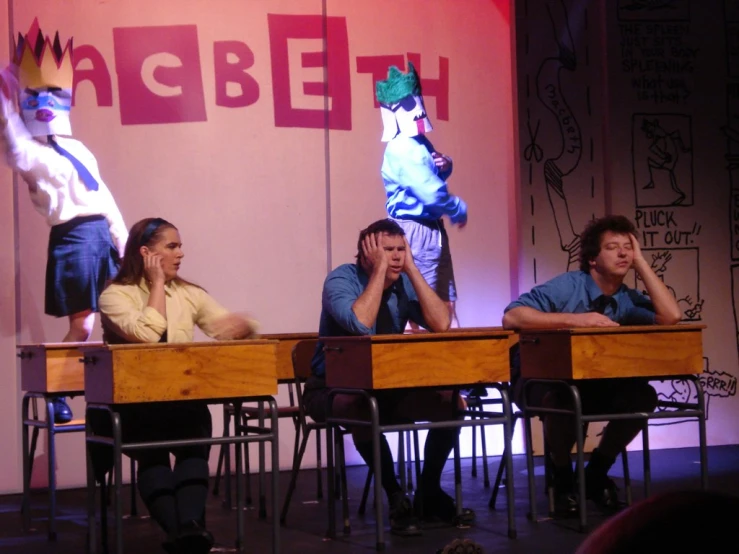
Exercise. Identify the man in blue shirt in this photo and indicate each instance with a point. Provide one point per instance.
(414, 175)
(379, 295)
(595, 296)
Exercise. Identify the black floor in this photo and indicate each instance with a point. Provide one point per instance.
(306, 525)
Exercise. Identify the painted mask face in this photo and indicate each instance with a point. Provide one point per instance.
(46, 110)
(406, 118)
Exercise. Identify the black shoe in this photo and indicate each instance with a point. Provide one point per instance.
(563, 483)
(565, 505)
(62, 411)
(439, 509)
(402, 520)
(193, 538)
(604, 494)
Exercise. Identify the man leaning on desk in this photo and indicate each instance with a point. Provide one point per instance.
(379, 294)
(594, 296)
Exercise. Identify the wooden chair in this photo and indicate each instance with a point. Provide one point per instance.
(302, 354)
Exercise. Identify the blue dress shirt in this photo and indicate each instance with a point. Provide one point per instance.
(341, 289)
(576, 292)
(414, 187)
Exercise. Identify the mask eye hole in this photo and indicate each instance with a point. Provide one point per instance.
(33, 103)
(408, 103)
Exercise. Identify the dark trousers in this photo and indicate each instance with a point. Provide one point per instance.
(603, 396)
(395, 406)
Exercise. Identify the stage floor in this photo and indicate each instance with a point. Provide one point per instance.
(306, 526)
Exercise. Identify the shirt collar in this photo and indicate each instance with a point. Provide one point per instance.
(593, 290)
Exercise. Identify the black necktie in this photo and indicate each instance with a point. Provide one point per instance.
(384, 324)
(87, 178)
(602, 302)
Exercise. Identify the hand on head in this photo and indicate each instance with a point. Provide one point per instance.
(409, 262)
(635, 248)
(374, 253)
(153, 270)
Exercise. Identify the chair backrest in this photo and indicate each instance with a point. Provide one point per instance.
(302, 355)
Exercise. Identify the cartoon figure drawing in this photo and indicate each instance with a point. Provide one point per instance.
(664, 152)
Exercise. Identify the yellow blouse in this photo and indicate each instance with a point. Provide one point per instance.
(124, 312)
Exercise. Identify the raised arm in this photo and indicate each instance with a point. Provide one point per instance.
(666, 309)
(434, 310)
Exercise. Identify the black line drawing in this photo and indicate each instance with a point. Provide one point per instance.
(654, 10)
(550, 93)
(731, 130)
(715, 384)
(662, 159)
(679, 270)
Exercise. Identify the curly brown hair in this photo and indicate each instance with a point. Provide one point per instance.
(593, 233)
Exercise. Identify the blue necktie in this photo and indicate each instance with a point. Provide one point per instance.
(87, 178)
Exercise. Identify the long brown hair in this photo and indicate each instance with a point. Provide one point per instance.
(143, 233)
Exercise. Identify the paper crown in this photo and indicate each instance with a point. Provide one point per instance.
(398, 85)
(42, 63)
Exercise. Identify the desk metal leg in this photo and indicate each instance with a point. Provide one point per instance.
(92, 543)
(377, 470)
(530, 467)
(702, 434)
(580, 441)
(227, 458)
(647, 462)
(275, 455)
(330, 482)
(51, 450)
(508, 453)
(239, 484)
(27, 459)
(118, 477)
(262, 473)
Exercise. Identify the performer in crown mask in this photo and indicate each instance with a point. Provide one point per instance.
(414, 174)
(88, 233)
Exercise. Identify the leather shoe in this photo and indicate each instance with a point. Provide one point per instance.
(604, 495)
(402, 521)
(193, 538)
(439, 508)
(62, 411)
(565, 505)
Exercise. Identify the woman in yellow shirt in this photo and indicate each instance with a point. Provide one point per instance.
(149, 302)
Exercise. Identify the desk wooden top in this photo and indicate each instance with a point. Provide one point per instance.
(53, 367)
(56, 345)
(612, 352)
(454, 358)
(623, 329)
(158, 372)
